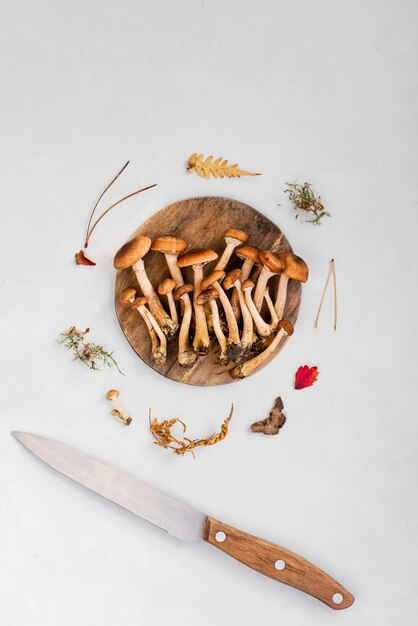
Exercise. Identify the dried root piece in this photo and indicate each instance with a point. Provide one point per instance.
(273, 423)
(119, 413)
(165, 439)
(218, 168)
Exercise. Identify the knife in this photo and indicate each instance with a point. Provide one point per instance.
(186, 523)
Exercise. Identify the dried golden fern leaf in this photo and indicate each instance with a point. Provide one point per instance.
(218, 168)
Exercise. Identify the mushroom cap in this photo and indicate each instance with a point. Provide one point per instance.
(231, 278)
(139, 302)
(248, 284)
(248, 252)
(206, 296)
(287, 326)
(234, 234)
(166, 286)
(211, 278)
(272, 261)
(169, 245)
(131, 252)
(295, 267)
(197, 257)
(126, 295)
(180, 291)
(112, 393)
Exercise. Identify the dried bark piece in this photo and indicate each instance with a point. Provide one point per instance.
(218, 168)
(272, 424)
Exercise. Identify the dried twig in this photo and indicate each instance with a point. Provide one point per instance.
(164, 437)
(335, 293)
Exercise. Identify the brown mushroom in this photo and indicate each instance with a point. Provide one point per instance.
(160, 353)
(247, 368)
(234, 340)
(119, 413)
(165, 288)
(209, 296)
(263, 329)
(295, 268)
(272, 264)
(131, 255)
(128, 296)
(171, 247)
(232, 280)
(249, 256)
(233, 238)
(186, 356)
(197, 259)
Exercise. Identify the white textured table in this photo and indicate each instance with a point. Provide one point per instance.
(320, 90)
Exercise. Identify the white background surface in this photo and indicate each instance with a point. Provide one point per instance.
(325, 91)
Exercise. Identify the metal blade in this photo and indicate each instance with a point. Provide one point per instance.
(178, 519)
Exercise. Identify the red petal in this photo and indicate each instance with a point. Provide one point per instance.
(305, 376)
(82, 259)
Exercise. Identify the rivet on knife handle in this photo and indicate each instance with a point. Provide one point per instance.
(278, 563)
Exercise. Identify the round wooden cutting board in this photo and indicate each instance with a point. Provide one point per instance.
(201, 222)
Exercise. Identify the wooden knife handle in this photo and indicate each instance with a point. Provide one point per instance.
(278, 563)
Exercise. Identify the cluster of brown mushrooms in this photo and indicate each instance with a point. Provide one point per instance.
(204, 310)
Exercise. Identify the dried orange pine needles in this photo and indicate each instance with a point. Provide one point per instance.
(164, 437)
(218, 168)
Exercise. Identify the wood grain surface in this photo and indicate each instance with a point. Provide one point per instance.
(262, 555)
(201, 222)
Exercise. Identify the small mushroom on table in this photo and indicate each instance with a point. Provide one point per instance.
(272, 264)
(233, 238)
(234, 340)
(197, 259)
(121, 415)
(209, 296)
(131, 255)
(247, 368)
(295, 268)
(165, 288)
(250, 256)
(232, 280)
(186, 355)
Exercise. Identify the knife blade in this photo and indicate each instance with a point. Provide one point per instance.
(185, 522)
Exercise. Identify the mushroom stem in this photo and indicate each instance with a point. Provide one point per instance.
(174, 269)
(186, 356)
(156, 350)
(265, 274)
(233, 331)
(218, 331)
(247, 368)
(172, 306)
(165, 322)
(201, 341)
(226, 255)
(162, 350)
(246, 268)
(273, 314)
(281, 296)
(247, 320)
(263, 329)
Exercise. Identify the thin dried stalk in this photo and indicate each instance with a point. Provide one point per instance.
(335, 293)
(331, 271)
(165, 439)
(86, 241)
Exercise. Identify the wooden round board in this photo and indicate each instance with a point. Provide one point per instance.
(201, 222)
